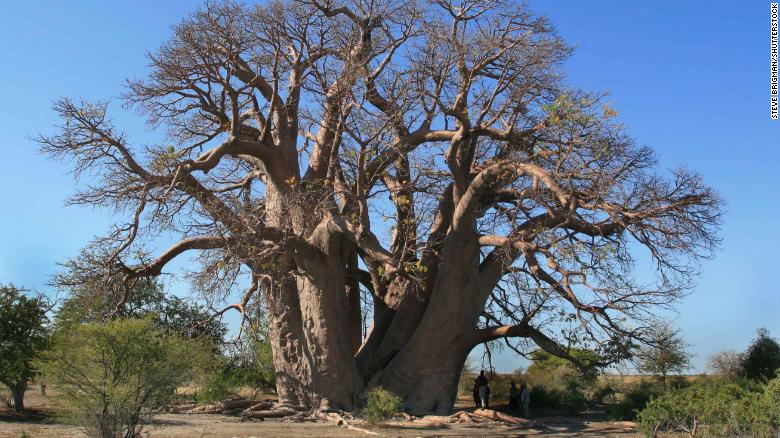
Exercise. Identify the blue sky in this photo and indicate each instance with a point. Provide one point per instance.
(690, 79)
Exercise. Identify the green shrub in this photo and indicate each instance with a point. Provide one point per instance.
(634, 398)
(219, 385)
(771, 400)
(381, 405)
(559, 386)
(228, 379)
(601, 391)
(113, 376)
(249, 365)
(499, 388)
(715, 407)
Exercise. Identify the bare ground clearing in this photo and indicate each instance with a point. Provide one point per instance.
(41, 423)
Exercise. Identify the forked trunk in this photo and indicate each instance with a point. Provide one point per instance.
(426, 371)
(312, 330)
(426, 376)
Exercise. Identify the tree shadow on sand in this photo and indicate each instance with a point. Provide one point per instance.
(32, 416)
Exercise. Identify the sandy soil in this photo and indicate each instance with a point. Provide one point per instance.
(39, 423)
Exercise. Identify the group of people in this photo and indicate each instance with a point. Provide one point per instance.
(518, 397)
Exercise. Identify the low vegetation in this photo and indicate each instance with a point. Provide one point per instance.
(247, 366)
(381, 405)
(113, 376)
(716, 408)
(744, 400)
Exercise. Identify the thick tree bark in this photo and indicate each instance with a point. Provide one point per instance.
(425, 372)
(292, 369)
(312, 336)
(326, 322)
(335, 378)
(392, 327)
(288, 346)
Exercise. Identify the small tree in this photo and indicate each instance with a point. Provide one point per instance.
(725, 363)
(112, 376)
(761, 360)
(665, 354)
(23, 336)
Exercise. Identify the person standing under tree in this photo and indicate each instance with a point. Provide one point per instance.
(475, 393)
(482, 389)
(513, 397)
(525, 400)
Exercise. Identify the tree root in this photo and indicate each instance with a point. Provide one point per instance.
(260, 410)
(488, 415)
(339, 420)
(268, 413)
(240, 406)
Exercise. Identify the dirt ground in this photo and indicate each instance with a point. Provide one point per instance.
(39, 423)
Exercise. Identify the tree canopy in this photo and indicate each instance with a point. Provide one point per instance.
(87, 303)
(666, 353)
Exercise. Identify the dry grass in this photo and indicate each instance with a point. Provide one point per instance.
(628, 379)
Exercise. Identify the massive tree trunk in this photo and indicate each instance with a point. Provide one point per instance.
(426, 371)
(335, 378)
(292, 365)
(416, 349)
(313, 339)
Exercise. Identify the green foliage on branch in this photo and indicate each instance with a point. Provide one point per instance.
(23, 335)
(90, 303)
(113, 376)
(761, 360)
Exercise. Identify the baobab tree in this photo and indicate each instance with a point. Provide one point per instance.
(428, 155)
